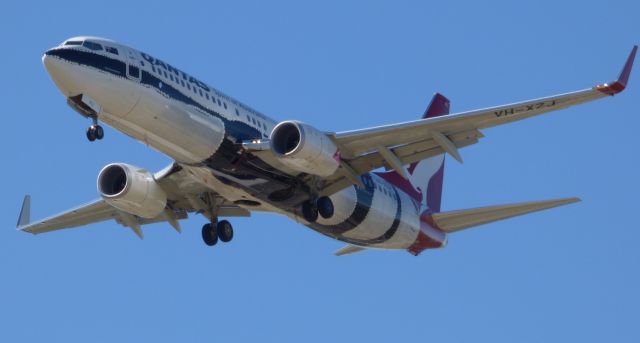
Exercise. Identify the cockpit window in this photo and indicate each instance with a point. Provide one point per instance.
(92, 45)
(111, 50)
(73, 42)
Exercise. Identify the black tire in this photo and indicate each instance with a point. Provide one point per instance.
(91, 134)
(310, 211)
(325, 207)
(99, 132)
(225, 231)
(209, 235)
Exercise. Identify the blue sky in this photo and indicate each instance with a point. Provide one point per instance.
(565, 274)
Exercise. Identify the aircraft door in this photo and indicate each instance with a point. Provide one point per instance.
(124, 95)
(134, 71)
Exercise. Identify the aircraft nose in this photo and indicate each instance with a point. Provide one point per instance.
(46, 57)
(60, 74)
(49, 61)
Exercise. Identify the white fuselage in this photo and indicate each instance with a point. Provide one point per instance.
(191, 122)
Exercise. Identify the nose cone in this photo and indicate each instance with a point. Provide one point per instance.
(46, 59)
(59, 71)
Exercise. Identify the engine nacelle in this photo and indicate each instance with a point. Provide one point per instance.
(304, 148)
(132, 190)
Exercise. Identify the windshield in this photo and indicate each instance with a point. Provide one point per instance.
(92, 45)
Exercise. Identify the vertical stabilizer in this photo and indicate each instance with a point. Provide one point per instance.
(426, 176)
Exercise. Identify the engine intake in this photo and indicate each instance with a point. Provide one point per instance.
(304, 148)
(132, 190)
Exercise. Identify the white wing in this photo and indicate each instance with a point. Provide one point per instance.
(408, 142)
(184, 196)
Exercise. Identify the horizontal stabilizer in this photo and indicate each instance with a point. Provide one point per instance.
(349, 249)
(459, 220)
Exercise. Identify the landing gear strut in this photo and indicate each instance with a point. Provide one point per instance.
(95, 131)
(215, 230)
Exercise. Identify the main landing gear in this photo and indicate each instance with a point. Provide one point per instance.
(215, 230)
(322, 206)
(95, 131)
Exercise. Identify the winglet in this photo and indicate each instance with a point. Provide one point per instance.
(621, 83)
(25, 212)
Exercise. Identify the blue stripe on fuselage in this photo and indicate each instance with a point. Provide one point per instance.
(236, 129)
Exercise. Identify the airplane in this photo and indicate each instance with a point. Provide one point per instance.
(373, 188)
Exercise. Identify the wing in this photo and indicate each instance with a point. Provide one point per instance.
(392, 146)
(185, 195)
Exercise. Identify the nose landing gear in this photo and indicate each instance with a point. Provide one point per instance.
(95, 131)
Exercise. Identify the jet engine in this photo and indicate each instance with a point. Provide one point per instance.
(132, 190)
(305, 149)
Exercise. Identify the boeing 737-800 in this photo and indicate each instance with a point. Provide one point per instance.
(231, 160)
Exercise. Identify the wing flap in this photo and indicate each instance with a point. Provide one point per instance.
(407, 154)
(459, 220)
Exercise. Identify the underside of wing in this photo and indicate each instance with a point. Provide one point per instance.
(93, 212)
(184, 195)
(387, 146)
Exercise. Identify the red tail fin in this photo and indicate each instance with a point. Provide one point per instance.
(426, 176)
(438, 106)
(422, 173)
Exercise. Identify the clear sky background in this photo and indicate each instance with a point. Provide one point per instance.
(568, 274)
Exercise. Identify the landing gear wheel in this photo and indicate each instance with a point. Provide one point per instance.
(209, 234)
(310, 211)
(95, 132)
(225, 231)
(325, 207)
(99, 132)
(91, 134)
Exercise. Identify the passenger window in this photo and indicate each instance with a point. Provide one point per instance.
(237, 113)
(200, 91)
(134, 71)
(171, 77)
(182, 82)
(225, 105)
(219, 104)
(92, 45)
(188, 86)
(206, 95)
